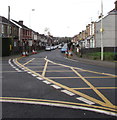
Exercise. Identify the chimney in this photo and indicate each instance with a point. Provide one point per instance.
(116, 5)
(21, 22)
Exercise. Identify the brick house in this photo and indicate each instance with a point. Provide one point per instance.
(10, 34)
(25, 35)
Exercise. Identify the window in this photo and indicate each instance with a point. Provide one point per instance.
(10, 30)
(2, 28)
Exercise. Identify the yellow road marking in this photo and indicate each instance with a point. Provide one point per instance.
(20, 57)
(36, 66)
(98, 92)
(95, 87)
(98, 73)
(58, 71)
(51, 66)
(29, 61)
(79, 77)
(45, 67)
(55, 71)
(53, 101)
(70, 89)
(62, 77)
(83, 69)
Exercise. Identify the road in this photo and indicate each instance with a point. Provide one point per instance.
(48, 85)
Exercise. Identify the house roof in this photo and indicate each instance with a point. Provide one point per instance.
(23, 26)
(15, 23)
(6, 21)
(114, 11)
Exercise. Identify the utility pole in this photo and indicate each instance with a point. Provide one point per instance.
(8, 21)
(101, 30)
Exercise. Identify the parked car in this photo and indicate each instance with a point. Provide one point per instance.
(64, 48)
(52, 47)
(55, 46)
(59, 46)
(48, 48)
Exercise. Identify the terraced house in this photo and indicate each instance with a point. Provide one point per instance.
(9, 34)
(89, 39)
(18, 38)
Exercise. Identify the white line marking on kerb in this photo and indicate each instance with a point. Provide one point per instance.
(67, 92)
(85, 100)
(56, 87)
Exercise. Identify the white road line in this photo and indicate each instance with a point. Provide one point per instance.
(29, 72)
(14, 60)
(20, 66)
(67, 92)
(23, 68)
(85, 100)
(46, 82)
(9, 60)
(55, 86)
(34, 75)
(39, 78)
(14, 67)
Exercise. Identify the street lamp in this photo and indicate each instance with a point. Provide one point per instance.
(32, 10)
(101, 30)
(31, 32)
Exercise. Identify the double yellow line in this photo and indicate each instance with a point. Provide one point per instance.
(32, 100)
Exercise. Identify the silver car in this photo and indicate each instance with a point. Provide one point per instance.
(48, 48)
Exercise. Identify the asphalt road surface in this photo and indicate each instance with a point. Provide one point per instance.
(49, 85)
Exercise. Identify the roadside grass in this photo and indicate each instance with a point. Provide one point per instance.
(108, 56)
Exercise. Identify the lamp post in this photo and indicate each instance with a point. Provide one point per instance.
(30, 17)
(101, 30)
(31, 32)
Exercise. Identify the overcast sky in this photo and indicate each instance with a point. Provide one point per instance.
(61, 17)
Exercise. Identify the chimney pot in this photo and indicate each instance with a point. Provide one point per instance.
(21, 22)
